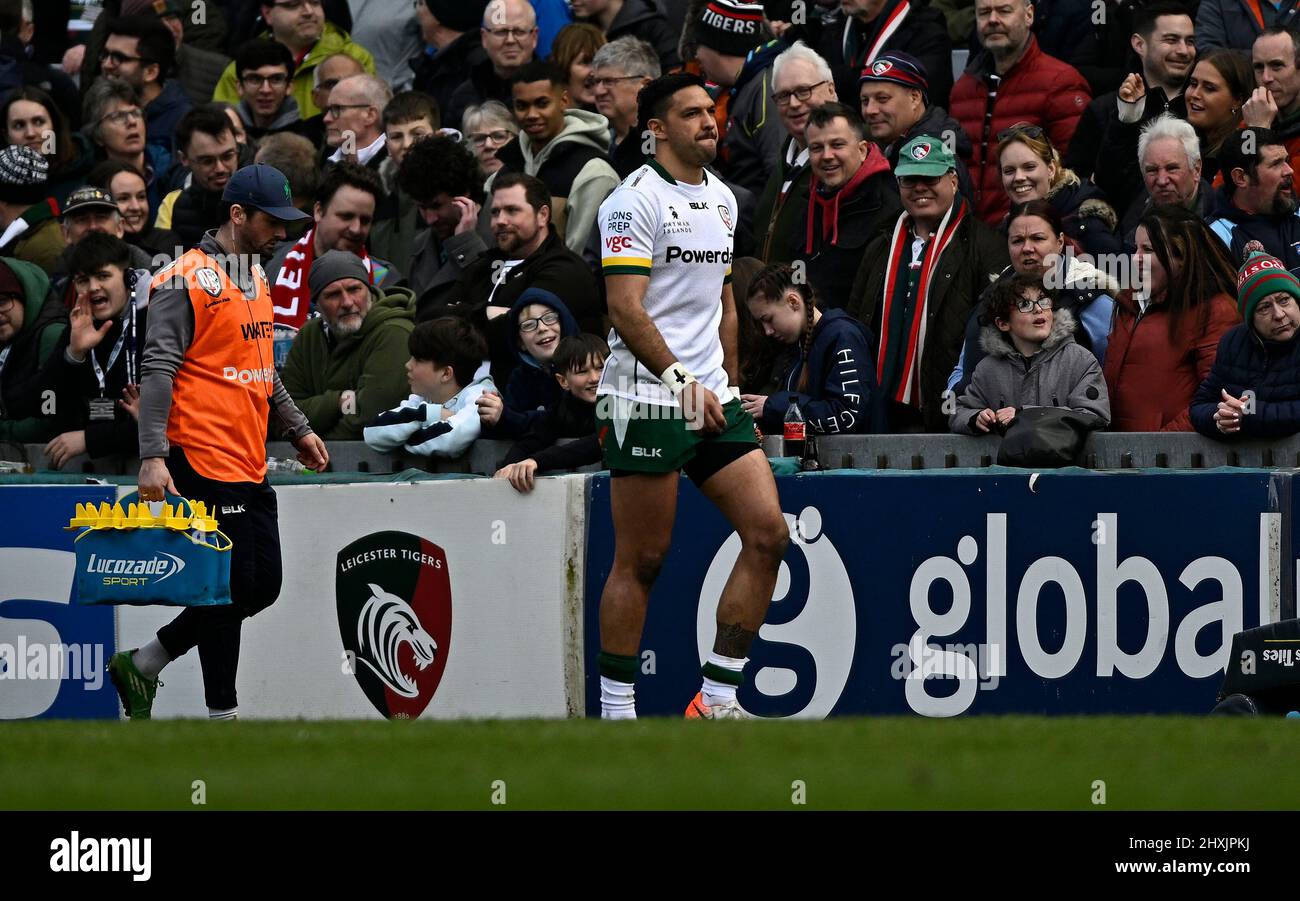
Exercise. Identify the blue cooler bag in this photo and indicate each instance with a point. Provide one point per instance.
(129, 556)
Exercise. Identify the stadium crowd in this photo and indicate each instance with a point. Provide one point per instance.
(1096, 215)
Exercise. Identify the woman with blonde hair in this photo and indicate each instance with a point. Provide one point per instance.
(1032, 170)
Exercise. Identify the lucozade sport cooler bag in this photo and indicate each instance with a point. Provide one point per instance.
(126, 555)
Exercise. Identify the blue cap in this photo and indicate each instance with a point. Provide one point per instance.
(264, 188)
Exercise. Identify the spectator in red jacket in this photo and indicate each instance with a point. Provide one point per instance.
(1010, 81)
(1165, 335)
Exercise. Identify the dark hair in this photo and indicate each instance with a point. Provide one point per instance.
(771, 285)
(97, 250)
(65, 150)
(354, 175)
(573, 42)
(1042, 209)
(656, 98)
(440, 165)
(102, 175)
(1204, 267)
(156, 44)
(411, 105)
(541, 70)
(1007, 291)
(450, 341)
(260, 52)
(827, 113)
(535, 190)
(1233, 155)
(574, 351)
(1238, 75)
(756, 353)
(1144, 17)
(1274, 30)
(207, 118)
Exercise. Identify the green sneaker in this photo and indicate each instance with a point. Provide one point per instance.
(134, 688)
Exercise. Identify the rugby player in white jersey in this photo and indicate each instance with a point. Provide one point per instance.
(665, 404)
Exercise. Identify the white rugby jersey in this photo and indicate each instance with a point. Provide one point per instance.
(682, 237)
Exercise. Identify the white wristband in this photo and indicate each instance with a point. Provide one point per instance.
(676, 378)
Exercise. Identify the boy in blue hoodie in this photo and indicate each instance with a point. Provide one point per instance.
(831, 373)
(536, 322)
(440, 417)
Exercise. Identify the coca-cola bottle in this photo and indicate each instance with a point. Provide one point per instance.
(795, 432)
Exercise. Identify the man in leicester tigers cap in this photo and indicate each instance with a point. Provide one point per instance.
(929, 266)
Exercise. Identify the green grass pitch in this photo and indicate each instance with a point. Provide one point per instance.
(1013, 763)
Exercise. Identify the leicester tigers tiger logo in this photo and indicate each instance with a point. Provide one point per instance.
(394, 609)
(387, 622)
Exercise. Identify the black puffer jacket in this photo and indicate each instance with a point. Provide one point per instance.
(1087, 216)
(195, 212)
(439, 76)
(1270, 369)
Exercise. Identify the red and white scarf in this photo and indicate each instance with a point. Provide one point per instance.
(899, 244)
(887, 30)
(291, 294)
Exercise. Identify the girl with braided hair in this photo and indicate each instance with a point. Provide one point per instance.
(830, 374)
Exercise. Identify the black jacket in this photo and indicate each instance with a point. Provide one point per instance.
(26, 368)
(777, 222)
(870, 210)
(441, 74)
(76, 384)
(196, 211)
(1088, 218)
(642, 19)
(553, 268)
(1270, 369)
(482, 84)
(976, 254)
(568, 417)
(923, 34)
(1104, 149)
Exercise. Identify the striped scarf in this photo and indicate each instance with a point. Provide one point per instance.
(290, 294)
(908, 390)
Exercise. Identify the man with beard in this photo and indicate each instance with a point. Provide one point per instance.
(1164, 39)
(345, 366)
(1259, 203)
(343, 214)
(207, 389)
(665, 404)
(528, 254)
(206, 144)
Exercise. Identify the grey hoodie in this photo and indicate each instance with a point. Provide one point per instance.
(574, 212)
(1061, 374)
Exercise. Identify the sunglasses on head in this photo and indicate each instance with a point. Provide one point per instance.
(1021, 128)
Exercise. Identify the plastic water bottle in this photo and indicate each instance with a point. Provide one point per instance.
(795, 432)
(274, 464)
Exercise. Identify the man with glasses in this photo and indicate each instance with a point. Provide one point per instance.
(453, 45)
(329, 73)
(300, 25)
(206, 145)
(619, 71)
(929, 266)
(509, 33)
(265, 70)
(895, 94)
(198, 68)
(142, 52)
(1012, 80)
(801, 82)
(354, 121)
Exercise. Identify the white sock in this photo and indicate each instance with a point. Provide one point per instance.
(151, 659)
(231, 714)
(716, 692)
(617, 699)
